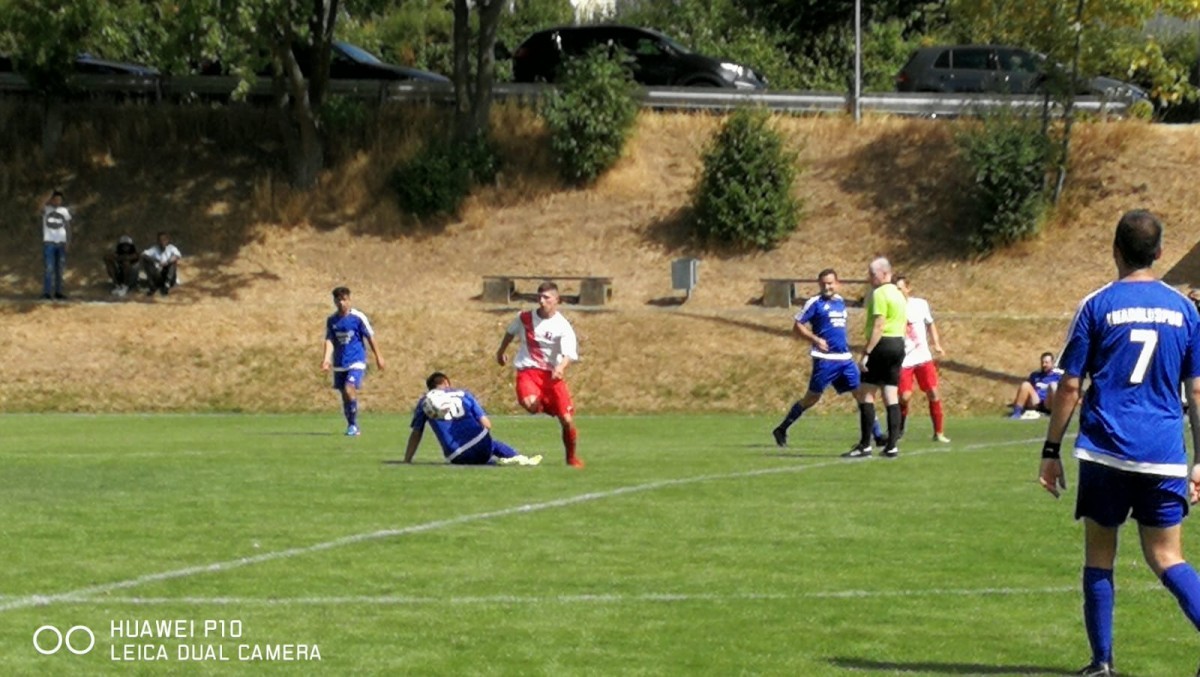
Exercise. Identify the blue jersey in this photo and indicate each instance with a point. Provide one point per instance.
(462, 431)
(349, 335)
(827, 317)
(1042, 380)
(1136, 341)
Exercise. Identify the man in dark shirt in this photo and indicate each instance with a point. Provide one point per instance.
(122, 266)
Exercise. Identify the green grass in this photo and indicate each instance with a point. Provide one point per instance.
(689, 545)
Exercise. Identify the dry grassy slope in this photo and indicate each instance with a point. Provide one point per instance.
(245, 330)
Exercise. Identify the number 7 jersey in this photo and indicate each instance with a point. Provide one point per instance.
(1136, 341)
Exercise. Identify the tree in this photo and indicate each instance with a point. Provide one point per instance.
(473, 87)
(1081, 33)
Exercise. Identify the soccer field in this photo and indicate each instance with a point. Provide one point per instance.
(689, 545)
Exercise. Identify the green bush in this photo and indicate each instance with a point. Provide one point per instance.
(744, 196)
(437, 179)
(590, 115)
(1009, 156)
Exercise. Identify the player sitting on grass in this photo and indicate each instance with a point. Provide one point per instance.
(461, 425)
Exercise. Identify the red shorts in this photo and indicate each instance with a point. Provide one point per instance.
(556, 399)
(926, 375)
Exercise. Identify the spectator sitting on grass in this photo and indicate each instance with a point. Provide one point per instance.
(160, 263)
(1036, 393)
(121, 264)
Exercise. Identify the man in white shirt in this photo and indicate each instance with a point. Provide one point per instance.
(918, 362)
(547, 347)
(56, 223)
(160, 262)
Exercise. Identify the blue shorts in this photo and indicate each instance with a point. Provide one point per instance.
(480, 454)
(1108, 496)
(352, 377)
(841, 374)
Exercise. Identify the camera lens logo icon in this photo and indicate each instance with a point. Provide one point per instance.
(48, 640)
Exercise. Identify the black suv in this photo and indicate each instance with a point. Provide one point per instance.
(657, 61)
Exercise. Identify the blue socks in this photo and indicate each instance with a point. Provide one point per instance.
(502, 450)
(1183, 582)
(793, 414)
(1098, 611)
(350, 409)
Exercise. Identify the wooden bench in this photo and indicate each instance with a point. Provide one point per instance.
(594, 290)
(780, 292)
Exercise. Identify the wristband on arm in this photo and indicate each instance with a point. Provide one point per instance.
(1051, 450)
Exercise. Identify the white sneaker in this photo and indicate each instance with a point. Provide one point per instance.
(509, 460)
(1030, 416)
(116, 291)
(939, 437)
(531, 460)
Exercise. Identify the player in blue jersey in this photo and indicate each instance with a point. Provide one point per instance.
(1137, 340)
(347, 335)
(461, 426)
(832, 362)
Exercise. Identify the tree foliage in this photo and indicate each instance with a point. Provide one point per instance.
(744, 196)
(591, 115)
(1008, 156)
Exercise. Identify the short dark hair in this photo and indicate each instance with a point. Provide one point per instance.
(827, 271)
(1139, 238)
(436, 380)
(1045, 355)
(547, 286)
(898, 278)
(341, 292)
(57, 193)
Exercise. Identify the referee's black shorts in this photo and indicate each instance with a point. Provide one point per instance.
(883, 364)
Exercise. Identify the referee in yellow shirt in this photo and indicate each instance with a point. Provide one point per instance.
(886, 317)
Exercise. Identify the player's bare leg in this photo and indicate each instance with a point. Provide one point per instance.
(532, 404)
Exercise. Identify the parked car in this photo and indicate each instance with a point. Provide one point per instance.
(994, 68)
(86, 64)
(346, 62)
(351, 62)
(657, 60)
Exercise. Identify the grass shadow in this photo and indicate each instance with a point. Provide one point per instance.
(926, 667)
(924, 213)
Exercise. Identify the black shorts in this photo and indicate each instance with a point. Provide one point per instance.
(883, 364)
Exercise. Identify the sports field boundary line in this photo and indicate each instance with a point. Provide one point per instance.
(287, 553)
(589, 598)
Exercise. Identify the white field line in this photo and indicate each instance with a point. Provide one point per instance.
(604, 598)
(186, 572)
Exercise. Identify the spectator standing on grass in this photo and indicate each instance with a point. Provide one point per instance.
(881, 360)
(832, 362)
(56, 232)
(920, 333)
(122, 265)
(546, 347)
(1035, 395)
(461, 426)
(348, 332)
(1137, 340)
(160, 263)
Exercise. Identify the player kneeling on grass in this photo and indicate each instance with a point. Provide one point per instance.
(461, 426)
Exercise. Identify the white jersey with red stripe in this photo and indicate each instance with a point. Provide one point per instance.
(916, 334)
(544, 341)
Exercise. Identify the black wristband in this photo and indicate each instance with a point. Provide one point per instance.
(1051, 449)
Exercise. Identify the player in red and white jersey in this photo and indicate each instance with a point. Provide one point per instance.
(547, 346)
(918, 362)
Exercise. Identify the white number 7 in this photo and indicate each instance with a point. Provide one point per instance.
(1148, 338)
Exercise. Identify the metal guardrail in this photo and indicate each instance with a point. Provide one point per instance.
(676, 98)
